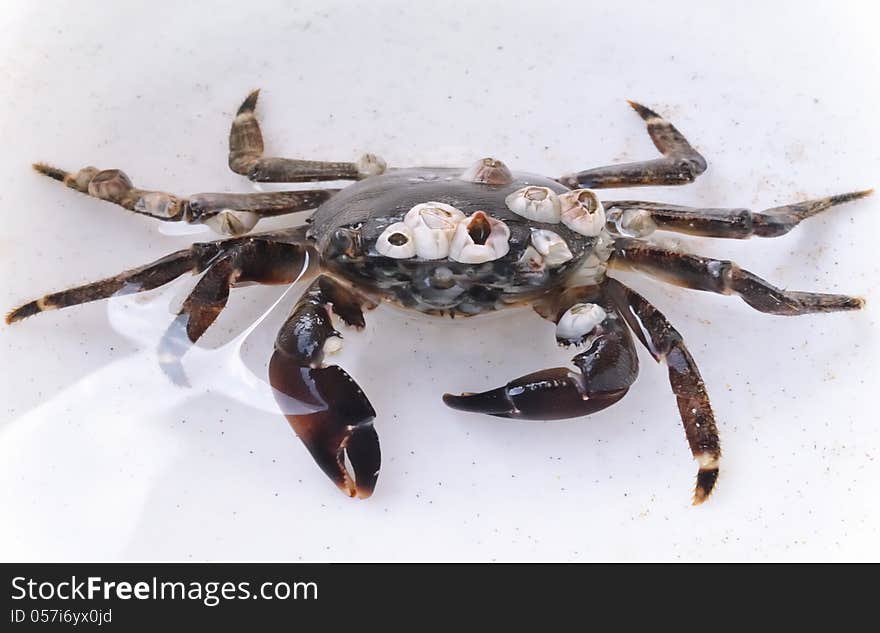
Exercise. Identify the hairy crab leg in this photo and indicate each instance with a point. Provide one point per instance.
(195, 259)
(608, 367)
(646, 217)
(723, 277)
(246, 156)
(666, 345)
(226, 213)
(680, 165)
(323, 404)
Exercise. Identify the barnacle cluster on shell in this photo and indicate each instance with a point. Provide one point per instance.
(579, 321)
(434, 230)
(546, 250)
(580, 209)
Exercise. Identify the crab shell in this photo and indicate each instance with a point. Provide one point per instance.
(348, 227)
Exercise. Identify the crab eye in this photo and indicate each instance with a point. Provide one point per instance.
(397, 241)
(488, 171)
(582, 212)
(479, 238)
(551, 247)
(540, 204)
(433, 225)
(578, 321)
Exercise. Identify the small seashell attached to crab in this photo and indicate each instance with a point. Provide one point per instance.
(488, 171)
(578, 322)
(479, 238)
(540, 204)
(433, 225)
(397, 241)
(634, 222)
(582, 212)
(232, 222)
(552, 248)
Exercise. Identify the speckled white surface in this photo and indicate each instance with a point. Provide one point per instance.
(102, 458)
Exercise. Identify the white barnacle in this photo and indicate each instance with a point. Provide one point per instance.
(535, 203)
(488, 171)
(158, 204)
(397, 241)
(582, 212)
(635, 223)
(531, 261)
(578, 321)
(551, 246)
(433, 225)
(479, 238)
(232, 222)
(370, 165)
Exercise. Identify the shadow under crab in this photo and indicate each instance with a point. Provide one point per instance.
(453, 242)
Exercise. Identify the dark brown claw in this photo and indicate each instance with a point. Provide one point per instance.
(551, 394)
(333, 418)
(608, 366)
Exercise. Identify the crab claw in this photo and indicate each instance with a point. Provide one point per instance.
(333, 418)
(550, 394)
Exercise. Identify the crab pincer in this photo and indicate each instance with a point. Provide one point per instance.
(333, 418)
(325, 406)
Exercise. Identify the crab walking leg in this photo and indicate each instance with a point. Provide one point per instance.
(195, 259)
(226, 213)
(608, 367)
(246, 156)
(645, 217)
(324, 405)
(192, 260)
(665, 344)
(253, 260)
(680, 165)
(723, 277)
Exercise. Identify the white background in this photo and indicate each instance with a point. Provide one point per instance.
(101, 457)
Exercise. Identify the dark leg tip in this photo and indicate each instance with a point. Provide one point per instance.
(250, 103)
(52, 172)
(705, 483)
(849, 197)
(23, 312)
(645, 113)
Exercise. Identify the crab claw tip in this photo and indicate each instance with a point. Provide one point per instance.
(333, 418)
(493, 402)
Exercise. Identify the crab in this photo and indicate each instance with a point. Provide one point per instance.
(452, 242)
